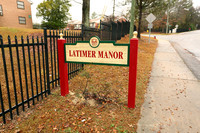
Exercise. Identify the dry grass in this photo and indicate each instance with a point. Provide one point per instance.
(36, 88)
(107, 86)
(5, 31)
(30, 32)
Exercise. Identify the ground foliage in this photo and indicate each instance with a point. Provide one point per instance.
(97, 101)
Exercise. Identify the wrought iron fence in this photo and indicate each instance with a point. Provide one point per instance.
(51, 37)
(30, 67)
(107, 30)
(24, 81)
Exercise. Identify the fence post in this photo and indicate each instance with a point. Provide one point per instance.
(47, 60)
(2, 106)
(100, 27)
(122, 29)
(132, 71)
(82, 32)
(126, 27)
(110, 31)
(63, 67)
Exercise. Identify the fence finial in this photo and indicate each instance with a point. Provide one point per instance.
(135, 34)
(61, 36)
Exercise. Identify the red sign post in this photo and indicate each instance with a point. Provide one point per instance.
(132, 72)
(63, 68)
(131, 51)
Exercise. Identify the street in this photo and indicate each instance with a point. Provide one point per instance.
(189, 41)
(187, 45)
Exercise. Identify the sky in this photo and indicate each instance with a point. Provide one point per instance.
(76, 8)
(95, 6)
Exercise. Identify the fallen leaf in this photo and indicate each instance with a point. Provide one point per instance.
(40, 127)
(18, 131)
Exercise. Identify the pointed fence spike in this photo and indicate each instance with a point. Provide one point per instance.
(16, 40)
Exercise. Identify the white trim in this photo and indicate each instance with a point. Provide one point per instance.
(30, 1)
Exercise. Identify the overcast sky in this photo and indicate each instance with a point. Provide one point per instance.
(76, 8)
(95, 6)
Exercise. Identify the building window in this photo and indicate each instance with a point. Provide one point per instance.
(20, 4)
(22, 20)
(1, 10)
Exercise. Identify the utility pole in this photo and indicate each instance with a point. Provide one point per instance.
(132, 19)
(167, 25)
(114, 11)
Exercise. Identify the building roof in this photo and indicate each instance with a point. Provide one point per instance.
(75, 22)
(96, 20)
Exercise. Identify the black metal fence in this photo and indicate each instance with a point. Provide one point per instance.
(25, 74)
(30, 64)
(30, 67)
(107, 30)
(51, 37)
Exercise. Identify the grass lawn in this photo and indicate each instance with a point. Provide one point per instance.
(97, 101)
(5, 31)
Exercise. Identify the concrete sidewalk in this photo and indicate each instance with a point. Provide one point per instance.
(172, 101)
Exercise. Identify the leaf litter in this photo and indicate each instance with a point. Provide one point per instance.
(101, 100)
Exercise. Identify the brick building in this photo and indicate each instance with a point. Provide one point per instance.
(15, 13)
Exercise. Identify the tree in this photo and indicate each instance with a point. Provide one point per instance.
(55, 13)
(198, 17)
(180, 8)
(176, 12)
(192, 20)
(94, 15)
(177, 8)
(145, 7)
(86, 13)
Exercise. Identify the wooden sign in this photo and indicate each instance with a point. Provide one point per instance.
(97, 52)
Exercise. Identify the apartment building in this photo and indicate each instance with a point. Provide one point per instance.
(15, 13)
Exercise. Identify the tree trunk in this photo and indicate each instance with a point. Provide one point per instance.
(86, 13)
(140, 19)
